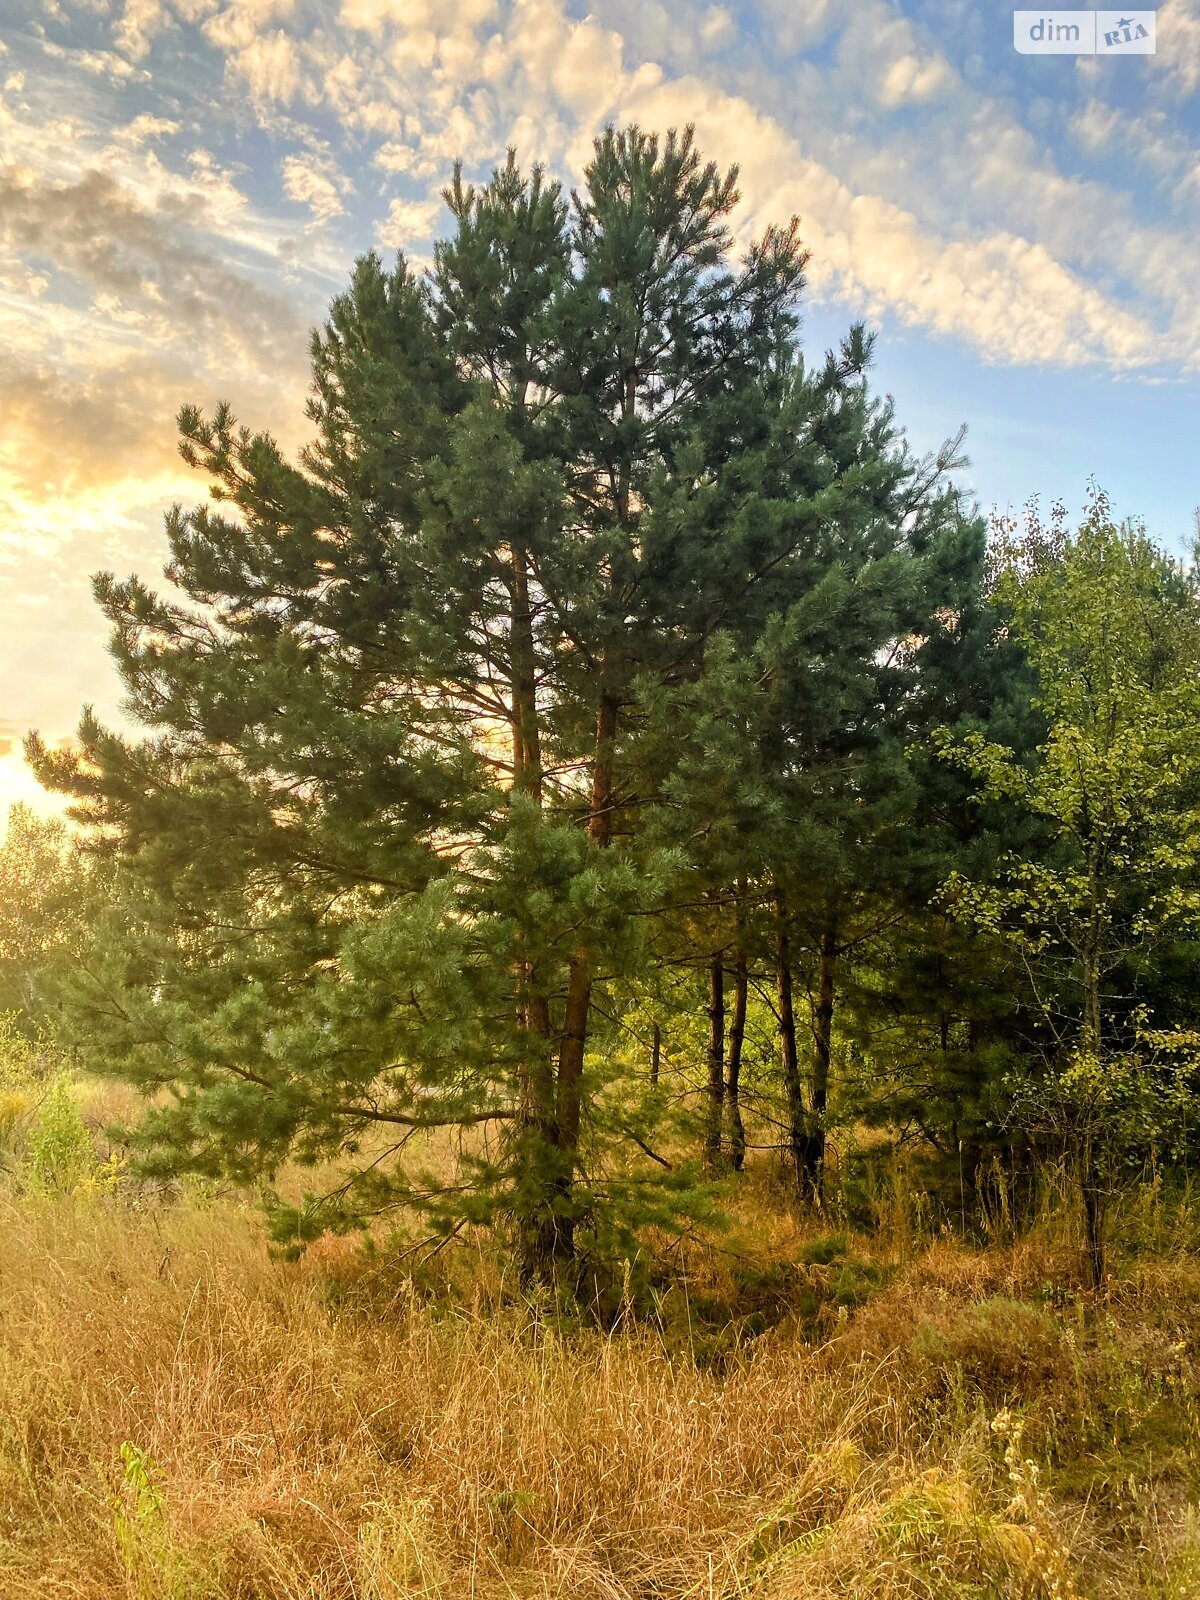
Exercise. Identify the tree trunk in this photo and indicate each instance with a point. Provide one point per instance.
(581, 964)
(526, 736)
(733, 1065)
(715, 1097)
(1093, 1229)
(1090, 1179)
(822, 1056)
(788, 1058)
(577, 1006)
(538, 1162)
(1094, 1207)
(655, 1053)
(1091, 1031)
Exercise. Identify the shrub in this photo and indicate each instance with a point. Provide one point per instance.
(60, 1156)
(1003, 1348)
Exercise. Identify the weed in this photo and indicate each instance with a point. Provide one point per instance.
(59, 1154)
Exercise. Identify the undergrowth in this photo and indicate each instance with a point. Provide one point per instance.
(791, 1410)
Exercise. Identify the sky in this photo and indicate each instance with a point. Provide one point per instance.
(184, 185)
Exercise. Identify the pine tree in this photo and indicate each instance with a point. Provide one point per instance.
(379, 833)
(846, 662)
(938, 1017)
(784, 769)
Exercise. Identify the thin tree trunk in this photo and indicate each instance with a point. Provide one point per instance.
(581, 964)
(577, 1006)
(733, 1064)
(1093, 1222)
(655, 1053)
(527, 744)
(715, 1098)
(788, 1058)
(537, 1158)
(1091, 1033)
(822, 1057)
(1091, 1183)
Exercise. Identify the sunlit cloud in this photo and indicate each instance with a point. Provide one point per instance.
(314, 181)
(407, 221)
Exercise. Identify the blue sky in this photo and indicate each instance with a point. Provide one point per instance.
(184, 183)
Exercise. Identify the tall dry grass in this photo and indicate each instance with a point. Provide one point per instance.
(298, 1450)
(183, 1418)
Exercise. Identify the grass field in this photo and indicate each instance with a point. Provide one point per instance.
(804, 1414)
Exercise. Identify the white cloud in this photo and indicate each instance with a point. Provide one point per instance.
(956, 221)
(1149, 140)
(395, 156)
(796, 27)
(910, 78)
(268, 59)
(315, 182)
(406, 221)
(717, 26)
(928, 196)
(271, 67)
(99, 63)
(140, 22)
(146, 267)
(1007, 295)
(236, 24)
(416, 16)
(145, 128)
(881, 52)
(1178, 44)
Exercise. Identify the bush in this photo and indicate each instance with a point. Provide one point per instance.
(19, 1056)
(60, 1156)
(1004, 1349)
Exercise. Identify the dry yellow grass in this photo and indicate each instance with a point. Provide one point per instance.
(184, 1418)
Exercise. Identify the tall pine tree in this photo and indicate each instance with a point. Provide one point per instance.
(386, 843)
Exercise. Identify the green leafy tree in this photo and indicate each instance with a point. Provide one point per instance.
(1111, 627)
(53, 896)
